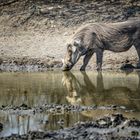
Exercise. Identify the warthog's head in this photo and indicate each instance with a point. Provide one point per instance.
(74, 51)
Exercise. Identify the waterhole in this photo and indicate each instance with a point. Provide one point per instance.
(106, 93)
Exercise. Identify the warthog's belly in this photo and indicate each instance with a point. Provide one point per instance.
(118, 44)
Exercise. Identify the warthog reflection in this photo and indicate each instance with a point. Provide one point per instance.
(102, 89)
(76, 90)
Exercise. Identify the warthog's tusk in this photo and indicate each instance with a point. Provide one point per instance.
(62, 61)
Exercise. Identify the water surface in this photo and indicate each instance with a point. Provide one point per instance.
(76, 88)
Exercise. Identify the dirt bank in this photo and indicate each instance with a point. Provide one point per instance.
(33, 34)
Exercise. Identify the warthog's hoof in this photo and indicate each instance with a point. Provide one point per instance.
(138, 66)
(82, 69)
(65, 69)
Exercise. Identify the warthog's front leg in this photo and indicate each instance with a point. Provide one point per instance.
(86, 60)
(99, 59)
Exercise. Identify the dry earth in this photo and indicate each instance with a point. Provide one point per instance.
(33, 36)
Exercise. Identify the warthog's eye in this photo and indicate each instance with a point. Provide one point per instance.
(69, 47)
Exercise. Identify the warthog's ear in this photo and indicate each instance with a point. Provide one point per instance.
(77, 43)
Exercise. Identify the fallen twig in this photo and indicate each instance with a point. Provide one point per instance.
(8, 2)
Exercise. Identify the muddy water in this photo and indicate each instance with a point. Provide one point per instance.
(76, 88)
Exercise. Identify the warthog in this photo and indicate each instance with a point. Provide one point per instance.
(97, 37)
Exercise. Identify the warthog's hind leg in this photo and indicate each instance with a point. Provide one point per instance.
(137, 46)
(86, 60)
(99, 59)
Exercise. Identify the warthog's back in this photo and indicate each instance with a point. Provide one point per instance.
(104, 30)
(110, 34)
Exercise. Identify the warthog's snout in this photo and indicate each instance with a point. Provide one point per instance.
(67, 67)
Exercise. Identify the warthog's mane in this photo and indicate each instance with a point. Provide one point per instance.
(113, 32)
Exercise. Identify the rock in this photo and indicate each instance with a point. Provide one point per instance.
(118, 119)
(134, 123)
(23, 105)
(135, 133)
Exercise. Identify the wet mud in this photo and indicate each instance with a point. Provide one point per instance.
(115, 126)
(26, 64)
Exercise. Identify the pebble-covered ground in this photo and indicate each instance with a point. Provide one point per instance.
(56, 108)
